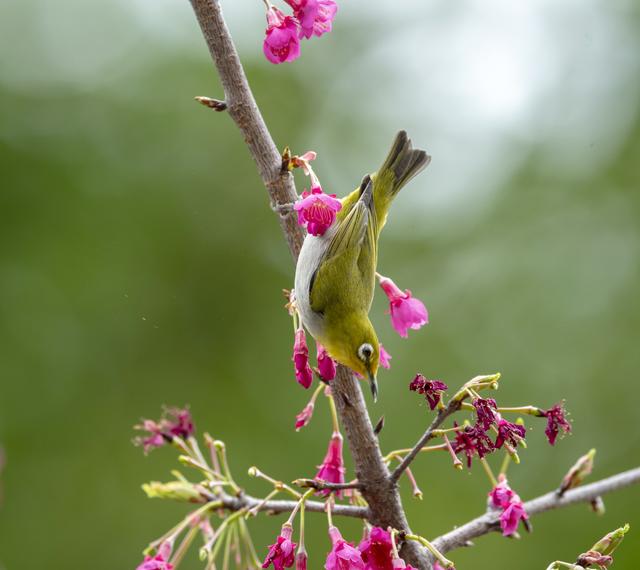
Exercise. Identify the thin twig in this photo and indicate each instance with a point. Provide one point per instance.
(489, 522)
(325, 486)
(452, 406)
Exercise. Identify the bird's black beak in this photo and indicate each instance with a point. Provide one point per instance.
(373, 383)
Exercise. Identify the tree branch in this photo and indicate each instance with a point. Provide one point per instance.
(453, 406)
(381, 493)
(490, 522)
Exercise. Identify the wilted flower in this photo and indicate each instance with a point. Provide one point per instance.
(556, 421)
(406, 311)
(326, 364)
(304, 417)
(281, 553)
(176, 422)
(343, 555)
(304, 374)
(432, 390)
(332, 468)
(472, 441)
(593, 558)
(485, 411)
(376, 550)
(510, 433)
(160, 561)
(317, 210)
(281, 42)
(315, 16)
(385, 358)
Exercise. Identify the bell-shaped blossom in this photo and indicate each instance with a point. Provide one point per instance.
(406, 311)
(332, 469)
(160, 561)
(282, 553)
(315, 16)
(343, 555)
(317, 210)
(472, 441)
(176, 422)
(326, 364)
(301, 558)
(376, 550)
(304, 417)
(485, 411)
(511, 516)
(304, 374)
(432, 390)
(510, 433)
(556, 421)
(281, 41)
(501, 495)
(385, 358)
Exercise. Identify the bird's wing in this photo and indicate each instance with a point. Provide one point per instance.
(346, 272)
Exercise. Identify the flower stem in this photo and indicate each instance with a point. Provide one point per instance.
(184, 546)
(505, 464)
(328, 507)
(436, 553)
(489, 472)
(334, 413)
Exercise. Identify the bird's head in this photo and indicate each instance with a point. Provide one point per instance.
(356, 346)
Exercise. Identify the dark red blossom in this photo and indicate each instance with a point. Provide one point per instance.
(282, 553)
(556, 421)
(593, 558)
(176, 422)
(376, 550)
(510, 433)
(472, 441)
(432, 390)
(485, 411)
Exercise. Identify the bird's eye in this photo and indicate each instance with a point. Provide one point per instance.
(365, 352)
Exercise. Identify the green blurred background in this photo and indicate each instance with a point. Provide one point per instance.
(141, 264)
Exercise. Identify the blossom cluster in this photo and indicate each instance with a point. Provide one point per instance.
(283, 34)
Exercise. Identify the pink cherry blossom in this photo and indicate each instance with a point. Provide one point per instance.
(315, 16)
(332, 469)
(511, 516)
(376, 550)
(385, 358)
(281, 553)
(304, 374)
(281, 42)
(317, 210)
(501, 496)
(343, 555)
(398, 564)
(326, 364)
(406, 311)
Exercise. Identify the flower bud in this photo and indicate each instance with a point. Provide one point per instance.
(608, 543)
(578, 473)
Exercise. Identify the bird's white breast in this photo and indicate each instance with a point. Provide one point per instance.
(312, 252)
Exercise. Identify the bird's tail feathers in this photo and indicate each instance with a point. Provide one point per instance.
(402, 164)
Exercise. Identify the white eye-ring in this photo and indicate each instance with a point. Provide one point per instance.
(365, 352)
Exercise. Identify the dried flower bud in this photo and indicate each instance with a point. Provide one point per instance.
(577, 474)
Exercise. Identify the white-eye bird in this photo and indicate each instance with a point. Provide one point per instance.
(335, 273)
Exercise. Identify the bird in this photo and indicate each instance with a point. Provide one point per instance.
(335, 272)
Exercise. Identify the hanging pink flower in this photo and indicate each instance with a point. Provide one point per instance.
(304, 417)
(317, 210)
(326, 364)
(332, 469)
(304, 374)
(343, 555)
(511, 516)
(406, 311)
(281, 42)
(376, 550)
(281, 553)
(385, 358)
(175, 422)
(301, 559)
(556, 421)
(315, 16)
(160, 561)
